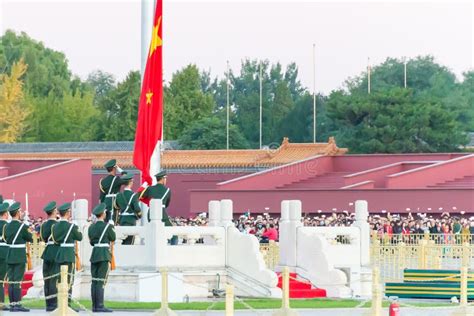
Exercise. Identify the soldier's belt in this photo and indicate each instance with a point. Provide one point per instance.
(18, 246)
(67, 245)
(127, 214)
(4, 244)
(102, 245)
(111, 195)
(50, 243)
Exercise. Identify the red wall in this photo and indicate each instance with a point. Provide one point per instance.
(355, 163)
(20, 166)
(393, 200)
(58, 181)
(294, 172)
(433, 174)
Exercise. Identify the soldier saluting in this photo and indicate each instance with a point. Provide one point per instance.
(3, 253)
(127, 203)
(64, 235)
(101, 234)
(49, 256)
(16, 235)
(160, 191)
(109, 187)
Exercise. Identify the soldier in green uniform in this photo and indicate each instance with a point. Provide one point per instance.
(16, 235)
(49, 256)
(3, 254)
(65, 234)
(109, 187)
(160, 191)
(127, 203)
(101, 234)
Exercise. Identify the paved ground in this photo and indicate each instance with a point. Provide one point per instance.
(301, 312)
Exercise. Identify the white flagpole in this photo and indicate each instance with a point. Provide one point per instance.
(368, 75)
(314, 93)
(261, 108)
(405, 72)
(228, 106)
(26, 218)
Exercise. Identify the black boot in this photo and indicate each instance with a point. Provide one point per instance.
(93, 298)
(100, 301)
(17, 294)
(53, 290)
(46, 294)
(11, 298)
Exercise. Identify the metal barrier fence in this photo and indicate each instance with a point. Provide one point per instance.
(271, 253)
(391, 254)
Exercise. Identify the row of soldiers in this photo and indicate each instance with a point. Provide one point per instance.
(61, 237)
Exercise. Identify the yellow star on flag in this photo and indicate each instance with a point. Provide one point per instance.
(156, 40)
(149, 95)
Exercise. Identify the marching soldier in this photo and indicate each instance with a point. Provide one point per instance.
(64, 235)
(127, 203)
(100, 237)
(160, 191)
(109, 187)
(16, 235)
(49, 256)
(3, 254)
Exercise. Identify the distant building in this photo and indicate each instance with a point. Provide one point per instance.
(50, 171)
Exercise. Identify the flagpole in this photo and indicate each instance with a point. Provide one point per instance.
(368, 75)
(147, 10)
(314, 93)
(261, 108)
(228, 108)
(405, 72)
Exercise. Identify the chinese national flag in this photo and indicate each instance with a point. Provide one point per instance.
(150, 109)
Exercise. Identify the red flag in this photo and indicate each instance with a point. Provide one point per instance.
(150, 109)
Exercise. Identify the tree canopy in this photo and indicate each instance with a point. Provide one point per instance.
(41, 100)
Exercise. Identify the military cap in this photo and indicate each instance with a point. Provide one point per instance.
(14, 207)
(64, 208)
(99, 209)
(50, 207)
(160, 174)
(127, 177)
(111, 163)
(3, 207)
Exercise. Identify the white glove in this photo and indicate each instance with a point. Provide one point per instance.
(119, 169)
(144, 185)
(111, 222)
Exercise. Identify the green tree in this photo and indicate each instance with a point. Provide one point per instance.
(119, 109)
(393, 121)
(185, 101)
(210, 133)
(48, 72)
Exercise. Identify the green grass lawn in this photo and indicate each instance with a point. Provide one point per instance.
(254, 303)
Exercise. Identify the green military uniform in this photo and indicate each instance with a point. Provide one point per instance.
(127, 204)
(65, 235)
(16, 234)
(101, 234)
(159, 191)
(49, 257)
(3, 255)
(109, 187)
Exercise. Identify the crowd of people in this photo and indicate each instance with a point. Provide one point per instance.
(265, 226)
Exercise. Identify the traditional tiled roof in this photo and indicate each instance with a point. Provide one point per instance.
(175, 159)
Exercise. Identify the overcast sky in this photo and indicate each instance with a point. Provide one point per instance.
(105, 34)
